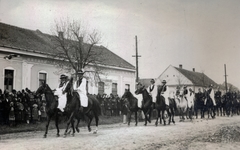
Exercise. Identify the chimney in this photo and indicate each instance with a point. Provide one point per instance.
(193, 69)
(60, 35)
(180, 66)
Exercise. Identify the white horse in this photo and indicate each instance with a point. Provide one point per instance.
(190, 100)
(182, 105)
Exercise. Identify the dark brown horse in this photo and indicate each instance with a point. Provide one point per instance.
(209, 107)
(51, 106)
(73, 108)
(162, 107)
(146, 104)
(131, 104)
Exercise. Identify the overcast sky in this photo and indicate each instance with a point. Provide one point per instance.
(200, 34)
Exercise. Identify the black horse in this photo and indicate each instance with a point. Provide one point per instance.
(131, 104)
(162, 107)
(51, 106)
(209, 106)
(73, 108)
(199, 104)
(146, 103)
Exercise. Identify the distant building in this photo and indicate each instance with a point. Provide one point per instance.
(25, 63)
(177, 76)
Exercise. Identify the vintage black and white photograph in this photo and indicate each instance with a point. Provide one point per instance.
(119, 74)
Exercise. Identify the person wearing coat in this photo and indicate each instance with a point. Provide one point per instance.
(80, 87)
(152, 90)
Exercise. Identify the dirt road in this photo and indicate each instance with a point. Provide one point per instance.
(219, 133)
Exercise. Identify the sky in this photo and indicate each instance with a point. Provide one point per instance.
(200, 34)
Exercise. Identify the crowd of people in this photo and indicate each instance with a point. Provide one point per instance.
(20, 107)
(24, 107)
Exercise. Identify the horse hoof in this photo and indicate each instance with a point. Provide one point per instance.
(145, 124)
(73, 135)
(89, 129)
(77, 130)
(65, 135)
(45, 136)
(57, 135)
(95, 132)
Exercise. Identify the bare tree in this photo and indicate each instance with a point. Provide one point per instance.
(76, 48)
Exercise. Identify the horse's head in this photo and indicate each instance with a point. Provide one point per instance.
(140, 89)
(42, 89)
(68, 87)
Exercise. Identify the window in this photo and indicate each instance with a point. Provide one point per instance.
(8, 79)
(101, 87)
(42, 78)
(127, 86)
(114, 88)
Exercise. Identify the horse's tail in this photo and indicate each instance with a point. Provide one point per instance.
(96, 107)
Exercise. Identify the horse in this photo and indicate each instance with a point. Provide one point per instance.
(51, 106)
(131, 104)
(162, 107)
(190, 101)
(182, 106)
(219, 105)
(146, 103)
(73, 108)
(209, 106)
(199, 104)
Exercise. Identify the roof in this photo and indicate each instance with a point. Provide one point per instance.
(38, 42)
(199, 79)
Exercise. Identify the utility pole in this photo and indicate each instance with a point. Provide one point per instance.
(225, 77)
(137, 77)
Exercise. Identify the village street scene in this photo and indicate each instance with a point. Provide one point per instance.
(131, 75)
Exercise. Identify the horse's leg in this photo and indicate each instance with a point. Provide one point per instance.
(129, 115)
(47, 124)
(96, 120)
(68, 123)
(56, 124)
(145, 112)
(72, 123)
(150, 114)
(196, 113)
(136, 118)
(89, 115)
(173, 114)
(169, 116)
(163, 117)
(158, 116)
(76, 127)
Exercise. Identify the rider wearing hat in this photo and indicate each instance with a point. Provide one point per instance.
(80, 87)
(63, 80)
(164, 92)
(152, 90)
(62, 98)
(185, 92)
(211, 94)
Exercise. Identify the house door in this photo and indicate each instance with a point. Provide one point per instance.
(8, 79)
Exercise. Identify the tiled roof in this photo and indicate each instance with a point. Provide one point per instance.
(199, 79)
(36, 41)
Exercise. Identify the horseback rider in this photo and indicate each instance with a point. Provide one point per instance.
(185, 92)
(152, 90)
(80, 87)
(218, 94)
(211, 94)
(62, 98)
(164, 92)
(63, 80)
